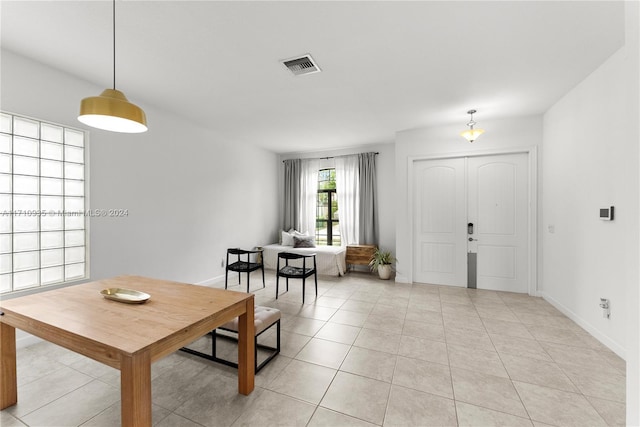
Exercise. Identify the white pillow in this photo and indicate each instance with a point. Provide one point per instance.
(287, 239)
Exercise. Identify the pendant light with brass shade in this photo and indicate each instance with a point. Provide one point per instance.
(111, 110)
(471, 134)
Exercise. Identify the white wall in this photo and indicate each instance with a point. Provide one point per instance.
(591, 160)
(590, 163)
(190, 193)
(386, 180)
(632, 42)
(505, 134)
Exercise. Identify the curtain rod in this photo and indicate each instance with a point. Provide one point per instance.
(331, 157)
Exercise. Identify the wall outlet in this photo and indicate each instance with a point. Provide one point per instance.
(606, 308)
(222, 263)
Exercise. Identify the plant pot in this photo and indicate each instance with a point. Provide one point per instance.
(384, 271)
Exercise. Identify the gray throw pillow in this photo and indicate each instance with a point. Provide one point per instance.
(303, 242)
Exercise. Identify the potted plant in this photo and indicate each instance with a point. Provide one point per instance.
(381, 261)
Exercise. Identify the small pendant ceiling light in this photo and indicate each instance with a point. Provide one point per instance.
(111, 110)
(471, 134)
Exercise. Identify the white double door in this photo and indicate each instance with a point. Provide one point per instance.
(490, 192)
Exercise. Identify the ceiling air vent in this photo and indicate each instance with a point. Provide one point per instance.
(302, 65)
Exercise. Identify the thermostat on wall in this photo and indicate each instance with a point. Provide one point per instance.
(606, 214)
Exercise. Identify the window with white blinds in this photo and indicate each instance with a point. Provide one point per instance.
(42, 204)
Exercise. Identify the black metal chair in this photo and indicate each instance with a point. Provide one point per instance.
(290, 272)
(244, 266)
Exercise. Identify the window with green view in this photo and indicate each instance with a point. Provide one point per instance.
(327, 220)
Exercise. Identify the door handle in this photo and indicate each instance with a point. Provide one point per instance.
(471, 239)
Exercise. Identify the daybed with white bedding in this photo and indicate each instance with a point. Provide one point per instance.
(330, 260)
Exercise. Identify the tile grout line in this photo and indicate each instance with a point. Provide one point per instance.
(505, 367)
(446, 343)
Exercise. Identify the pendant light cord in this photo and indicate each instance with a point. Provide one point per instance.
(471, 122)
(114, 44)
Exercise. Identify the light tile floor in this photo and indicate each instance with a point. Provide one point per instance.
(364, 352)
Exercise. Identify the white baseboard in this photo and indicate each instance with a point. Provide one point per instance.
(212, 281)
(608, 342)
(401, 278)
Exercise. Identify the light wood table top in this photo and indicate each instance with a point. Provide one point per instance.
(118, 334)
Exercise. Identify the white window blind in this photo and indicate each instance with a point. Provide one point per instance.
(43, 231)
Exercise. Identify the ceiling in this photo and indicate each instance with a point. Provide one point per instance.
(386, 65)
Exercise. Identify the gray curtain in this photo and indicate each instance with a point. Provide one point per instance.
(292, 194)
(368, 215)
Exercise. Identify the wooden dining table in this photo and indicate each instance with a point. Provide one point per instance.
(126, 336)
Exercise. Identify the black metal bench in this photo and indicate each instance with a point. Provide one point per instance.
(264, 318)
